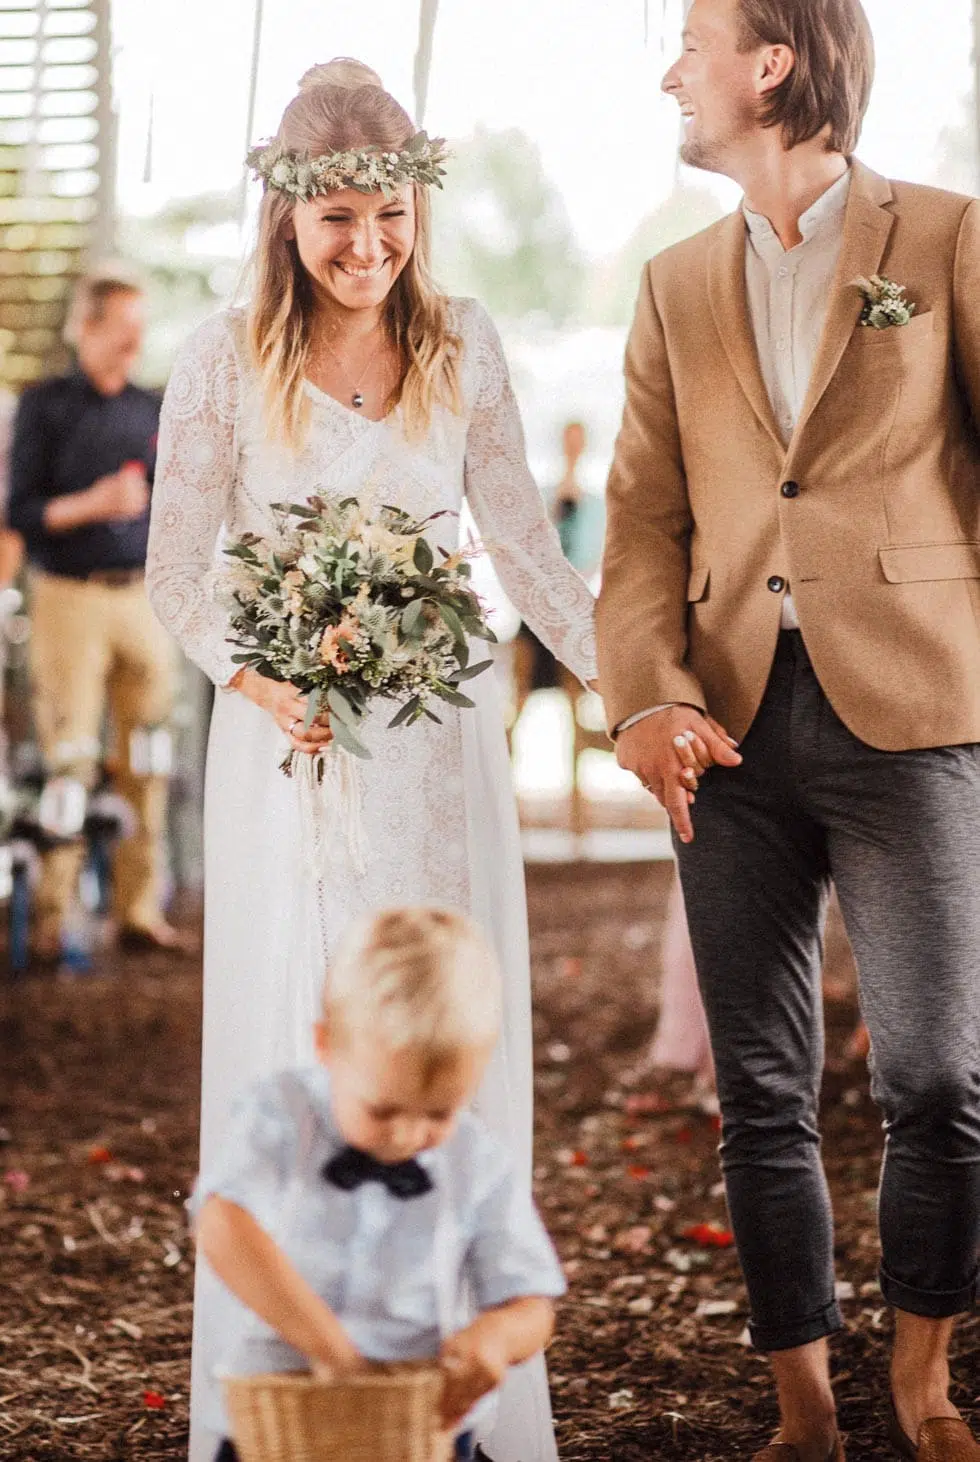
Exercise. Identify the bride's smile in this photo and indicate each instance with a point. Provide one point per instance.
(355, 245)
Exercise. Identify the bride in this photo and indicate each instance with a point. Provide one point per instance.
(348, 374)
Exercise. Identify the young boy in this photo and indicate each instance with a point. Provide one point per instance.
(357, 1203)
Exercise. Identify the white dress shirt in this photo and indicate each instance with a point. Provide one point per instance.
(788, 296)
(396, 1272)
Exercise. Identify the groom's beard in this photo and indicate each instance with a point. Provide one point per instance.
(713, 154)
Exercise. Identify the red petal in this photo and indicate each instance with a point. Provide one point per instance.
(637, 1170)
(153, 1401)
(708, 1235)
(579, 1159)
(99, 1154)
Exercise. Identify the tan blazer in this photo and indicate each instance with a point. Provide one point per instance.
(881, 544)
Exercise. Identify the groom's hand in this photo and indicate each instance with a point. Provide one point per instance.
(669, 750)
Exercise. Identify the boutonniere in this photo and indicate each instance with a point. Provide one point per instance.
(885, 304)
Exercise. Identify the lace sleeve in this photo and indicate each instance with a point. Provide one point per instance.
(195, 473)
(510, 512)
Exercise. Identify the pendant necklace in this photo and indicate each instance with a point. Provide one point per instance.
(357, 395)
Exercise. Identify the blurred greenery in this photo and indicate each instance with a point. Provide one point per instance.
(502, 232)
(187, 255)
(616, 281)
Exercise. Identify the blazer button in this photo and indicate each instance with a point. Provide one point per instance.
(790, 489)
(776, 584)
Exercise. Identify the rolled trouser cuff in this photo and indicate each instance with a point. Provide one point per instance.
(788, 1337)
(932, 1304)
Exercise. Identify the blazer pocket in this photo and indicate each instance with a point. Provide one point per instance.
(915, 563)
(897, 341)
(697, 584)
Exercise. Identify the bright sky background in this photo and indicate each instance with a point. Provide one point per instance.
(576, 75)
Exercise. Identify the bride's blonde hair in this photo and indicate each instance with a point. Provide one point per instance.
(343, 105)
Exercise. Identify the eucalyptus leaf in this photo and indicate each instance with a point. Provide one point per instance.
(452, 622)
(471, 670)
(345, 737)
(406, 713)
(312, 709)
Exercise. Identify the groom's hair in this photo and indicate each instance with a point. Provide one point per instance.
(830, 85)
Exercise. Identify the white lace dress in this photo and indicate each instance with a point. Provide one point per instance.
(438, 806)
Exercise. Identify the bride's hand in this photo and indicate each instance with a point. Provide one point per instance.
(287, 707)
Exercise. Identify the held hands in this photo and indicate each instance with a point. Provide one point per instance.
(669, 751)
(287, 707)
(474, 1361)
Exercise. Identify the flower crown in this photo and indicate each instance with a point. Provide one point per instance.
(368, 170)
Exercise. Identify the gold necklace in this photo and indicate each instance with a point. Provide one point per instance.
(357, 395)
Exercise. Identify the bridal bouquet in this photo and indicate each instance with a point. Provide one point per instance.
(352, 606)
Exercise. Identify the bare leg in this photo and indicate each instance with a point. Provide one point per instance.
(920, 1370)
(806, 1402)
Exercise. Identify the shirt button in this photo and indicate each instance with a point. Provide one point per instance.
(790, 489)
(776, 584)
(782, 272)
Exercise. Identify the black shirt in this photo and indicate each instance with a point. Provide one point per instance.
(66, 436)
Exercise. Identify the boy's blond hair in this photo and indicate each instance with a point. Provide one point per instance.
(420, 977)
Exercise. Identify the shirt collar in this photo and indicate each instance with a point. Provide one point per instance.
(825, 213)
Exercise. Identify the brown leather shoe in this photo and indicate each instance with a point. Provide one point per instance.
(942, 1439)
(783, 1452)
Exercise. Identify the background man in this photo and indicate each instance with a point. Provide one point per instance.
(794, 545)
(81, 467)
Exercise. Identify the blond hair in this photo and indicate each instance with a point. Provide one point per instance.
(414, 978)
(829, 88)
(92, 293)
(342, 105)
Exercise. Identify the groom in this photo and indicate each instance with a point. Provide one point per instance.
(794, 549)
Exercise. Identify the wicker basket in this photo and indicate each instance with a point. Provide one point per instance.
(389, 1414)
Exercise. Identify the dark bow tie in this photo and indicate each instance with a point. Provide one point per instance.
(351, 1167)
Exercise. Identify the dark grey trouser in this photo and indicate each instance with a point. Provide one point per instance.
(899, 834)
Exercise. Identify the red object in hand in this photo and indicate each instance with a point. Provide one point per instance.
(153, 1401)
(709, 1236)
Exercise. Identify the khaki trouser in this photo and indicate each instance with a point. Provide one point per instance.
(92, 643)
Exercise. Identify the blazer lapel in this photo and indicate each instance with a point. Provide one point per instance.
(730, 307)
(867, 226)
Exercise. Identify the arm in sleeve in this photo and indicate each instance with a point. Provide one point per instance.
(510, 512)
(510, 1255)
(29, 468)
(193, 480)
(642, 612)
(257, 1154)
(966, 317)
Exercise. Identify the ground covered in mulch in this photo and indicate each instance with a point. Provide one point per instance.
(97, 1151)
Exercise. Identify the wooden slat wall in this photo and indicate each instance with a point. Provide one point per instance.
(55, 170)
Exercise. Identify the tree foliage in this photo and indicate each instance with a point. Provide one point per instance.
(502, 232)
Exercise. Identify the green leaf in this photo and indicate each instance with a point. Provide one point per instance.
(431, 715)
(422, 557)
(345, 737)
(452, 622)
(406, 713)
(454, 697)
(312, 708)
(340, 706)
(412, 615)
(471, 670)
